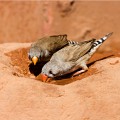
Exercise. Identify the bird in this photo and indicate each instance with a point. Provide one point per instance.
(71, 58)
(43, 49)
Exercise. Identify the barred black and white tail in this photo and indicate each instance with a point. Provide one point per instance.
(101, 40)
(72, 42)
(97, 43)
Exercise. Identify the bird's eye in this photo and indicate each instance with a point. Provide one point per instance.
(50, 72)
(39, 58)
(41, 54)
(29, 57)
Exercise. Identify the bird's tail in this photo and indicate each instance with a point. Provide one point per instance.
(71, 42)
(98, 43)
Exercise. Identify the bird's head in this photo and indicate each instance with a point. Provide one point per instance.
(35, 54)
(50, 70)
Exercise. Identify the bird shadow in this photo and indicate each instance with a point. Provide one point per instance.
(36, 69)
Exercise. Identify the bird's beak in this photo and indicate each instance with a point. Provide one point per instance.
(35, 60)
(44, 77)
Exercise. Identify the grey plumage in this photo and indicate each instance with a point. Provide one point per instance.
(43, 49)
(72, 57)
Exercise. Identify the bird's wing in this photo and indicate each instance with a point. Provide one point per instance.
(85, 46)
(52, 43)
(72, 53)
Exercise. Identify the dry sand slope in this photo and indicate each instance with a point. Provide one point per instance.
(95, 97)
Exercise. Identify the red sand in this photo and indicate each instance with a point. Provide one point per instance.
(94, 95)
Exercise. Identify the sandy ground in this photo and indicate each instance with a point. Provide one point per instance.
(94, 96)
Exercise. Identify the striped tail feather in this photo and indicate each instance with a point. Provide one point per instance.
(72, 42)
(101, 40)
(98, 43)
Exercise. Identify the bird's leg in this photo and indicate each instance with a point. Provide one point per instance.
(84, 68)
